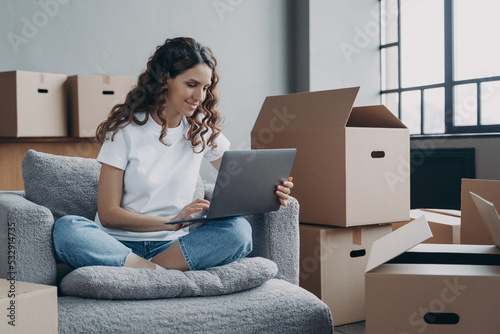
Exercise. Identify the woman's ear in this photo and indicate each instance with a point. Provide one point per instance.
(168, 80)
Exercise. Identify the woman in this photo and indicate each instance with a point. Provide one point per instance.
(153, 145)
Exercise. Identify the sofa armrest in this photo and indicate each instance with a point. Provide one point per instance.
(275, 237)
(26, 252)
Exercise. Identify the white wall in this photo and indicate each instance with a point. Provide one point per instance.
(248, 37)
(344, 47)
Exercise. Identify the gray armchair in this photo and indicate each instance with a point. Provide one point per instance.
(57, 185)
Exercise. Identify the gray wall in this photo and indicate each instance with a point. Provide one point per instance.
(249, 39)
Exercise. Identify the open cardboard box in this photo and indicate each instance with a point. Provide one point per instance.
(433, 288)
(347, 158)
(445, 225)
(332, 266)
(91, 99)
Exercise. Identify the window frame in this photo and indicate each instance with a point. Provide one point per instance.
(448, 84)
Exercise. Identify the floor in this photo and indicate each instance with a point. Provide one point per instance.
(355, 328)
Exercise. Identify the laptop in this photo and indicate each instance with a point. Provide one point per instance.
(490, 216)
(246, 183)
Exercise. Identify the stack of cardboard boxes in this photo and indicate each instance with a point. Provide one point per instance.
(351, 177)
(38, 104)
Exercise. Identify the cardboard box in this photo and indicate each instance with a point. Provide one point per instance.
(332, 266)
(27, 307)
(347, 158)
(445, 227)
(431, 288)
(474, 230)
(91, 99)
(33, 104)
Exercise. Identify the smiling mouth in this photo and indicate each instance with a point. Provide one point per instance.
(192, 105)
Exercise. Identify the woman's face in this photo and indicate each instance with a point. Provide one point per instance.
(186, 92)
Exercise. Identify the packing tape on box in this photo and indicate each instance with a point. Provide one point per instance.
(106, 79)
(42, 78)
(356, 236)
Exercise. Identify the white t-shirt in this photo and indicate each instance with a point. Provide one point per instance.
(159, 180)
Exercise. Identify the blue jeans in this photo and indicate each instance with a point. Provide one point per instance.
(79, 242)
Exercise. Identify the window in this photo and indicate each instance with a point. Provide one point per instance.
(440, 64)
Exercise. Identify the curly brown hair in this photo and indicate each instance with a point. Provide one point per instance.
(174, 57)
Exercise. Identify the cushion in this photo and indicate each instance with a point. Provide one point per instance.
(101, 282)
(65, 185)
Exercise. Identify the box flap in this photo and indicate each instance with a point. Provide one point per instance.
(435, 217)
(398, 242)
(306, 111)
(473, 230)
(490, 216)
(373, 117)
(449, 212)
